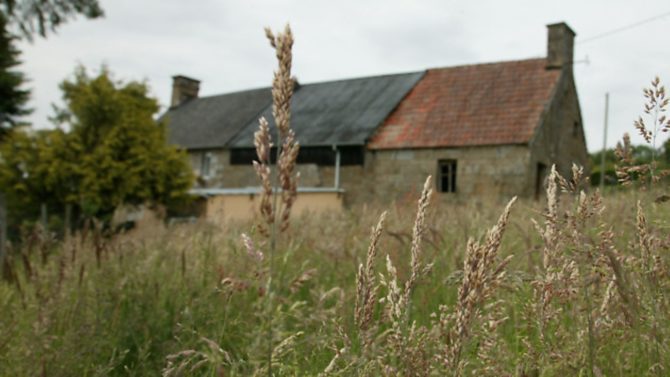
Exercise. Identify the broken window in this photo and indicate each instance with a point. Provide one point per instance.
(446, 175)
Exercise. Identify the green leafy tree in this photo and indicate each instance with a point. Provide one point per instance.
(120, 152)
(13, 97)
(23, 173)
(114, 153)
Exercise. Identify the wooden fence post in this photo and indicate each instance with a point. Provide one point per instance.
(44, 216)
(68, 221)
(3, 230)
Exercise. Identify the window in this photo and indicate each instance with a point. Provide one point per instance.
(446, 174)
(322, 156)
(540, 176)
(205, 163)
(575, 129)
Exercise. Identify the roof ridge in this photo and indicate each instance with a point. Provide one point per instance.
(327, 81)
(364, 77)
(487, 63)
(269, 88)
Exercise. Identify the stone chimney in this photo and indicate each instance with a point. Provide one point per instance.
(183, 89)
(560, 46)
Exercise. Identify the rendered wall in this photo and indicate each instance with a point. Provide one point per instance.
(230, 207)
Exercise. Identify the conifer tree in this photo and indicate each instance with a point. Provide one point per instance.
(13, 95)
(25, 18)
(30, 17)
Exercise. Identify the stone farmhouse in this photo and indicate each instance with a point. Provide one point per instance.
(481, 130)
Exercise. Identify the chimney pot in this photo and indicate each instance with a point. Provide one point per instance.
(560, 46)
(183, 89)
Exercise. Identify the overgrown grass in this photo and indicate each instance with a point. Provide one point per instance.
(191, 297)
(577, 286)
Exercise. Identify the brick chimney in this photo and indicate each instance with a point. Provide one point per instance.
(183, 89)
(560, 46)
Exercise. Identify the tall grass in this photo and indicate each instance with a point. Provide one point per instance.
(578, 285)
(192, 297)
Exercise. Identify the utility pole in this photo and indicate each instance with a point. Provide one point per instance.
(602, 157)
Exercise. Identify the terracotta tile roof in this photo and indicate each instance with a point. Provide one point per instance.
(484, 104)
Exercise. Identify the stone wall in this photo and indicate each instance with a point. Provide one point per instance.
(396, 175)
(560, 138)
(488, 171)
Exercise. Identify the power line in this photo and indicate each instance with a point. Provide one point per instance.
(624, 28)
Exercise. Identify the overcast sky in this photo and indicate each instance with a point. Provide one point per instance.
(222, 44)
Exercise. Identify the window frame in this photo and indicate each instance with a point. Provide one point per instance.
(452, 171)
(206, 165)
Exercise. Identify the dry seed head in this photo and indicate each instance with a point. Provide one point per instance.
(301, 280)
(394, 297)
(288, 181)
(642, 129)
(628, 299)
(644, 238)
(417, 236)
(360, 295)
(263, 141)
(251, 250)
(625, 151)
(550, 232)
(282, 92)
(656, 105)
(577, 176)
(285, 346)
(287, 160)
(270, 36)
(267, 212)
(372, 249)
(330, 368)
(282, 84)
(366, 289)
(496, 233)
(608, 297)
(263, 144)
(480, 278)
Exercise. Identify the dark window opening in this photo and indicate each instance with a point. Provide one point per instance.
(322, 156)
(575, 129)
(446, 174)
(540, 176)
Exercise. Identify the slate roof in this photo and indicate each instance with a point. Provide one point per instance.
(344, 112)
(484, 104)
(210, 122)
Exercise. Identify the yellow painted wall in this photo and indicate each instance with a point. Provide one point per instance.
(227, 207)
